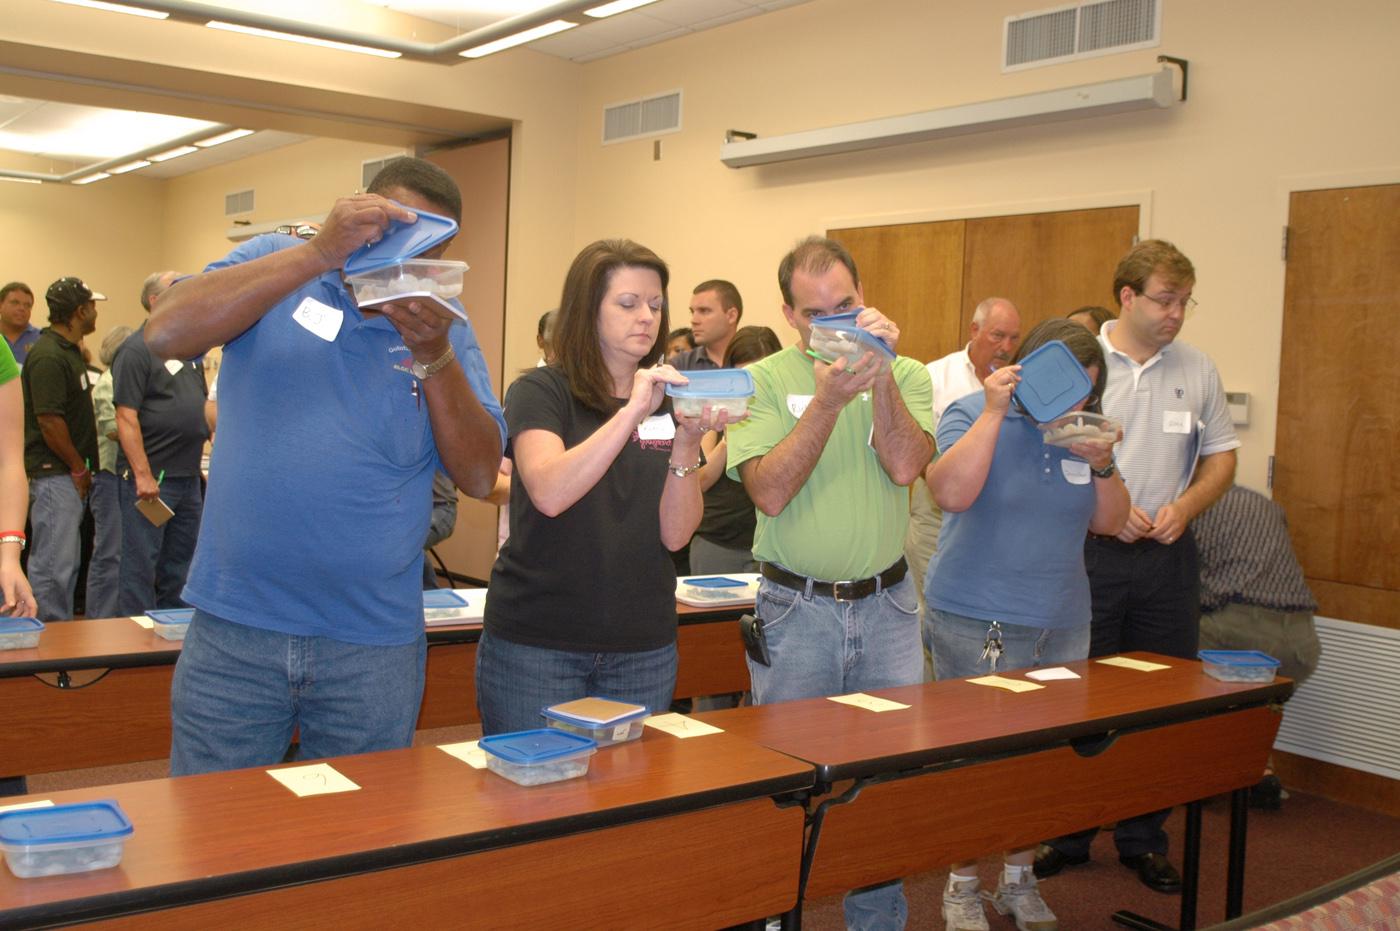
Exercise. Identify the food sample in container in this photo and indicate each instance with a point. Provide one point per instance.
(533, 758)
(433, 279)
(63, 838)
(606, 721)
(1080, 427)
(20, 633)
(837, 336)
(718, 389)
(1239, 665)
(171, 623)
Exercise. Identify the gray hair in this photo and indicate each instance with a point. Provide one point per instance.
(984, 308)
(155, 285)
(113, 341)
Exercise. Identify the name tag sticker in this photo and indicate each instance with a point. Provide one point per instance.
(1176, 422)
(173, 366)
(320, 319)
(657, 427)
(797, 404)
(84, 381)
(1076, 472)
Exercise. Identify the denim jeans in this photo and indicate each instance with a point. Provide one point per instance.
(104, 578)
(822, 647)
(958, 642)
(56, 513)
(514, 681)
(156, 560)
(239, 692)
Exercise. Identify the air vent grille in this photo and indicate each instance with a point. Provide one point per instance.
(238, 202)
(650, 116)
(1083, 31)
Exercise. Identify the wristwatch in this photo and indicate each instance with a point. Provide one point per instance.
(1107, 471)
(424, 372)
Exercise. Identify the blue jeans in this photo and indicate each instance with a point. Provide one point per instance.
(156, 560)
(958, 642)
(822, 647)
(104, 578)
(514, 681)
(239, 693)
(56, 513)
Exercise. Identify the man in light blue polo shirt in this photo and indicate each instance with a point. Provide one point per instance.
(307, 579)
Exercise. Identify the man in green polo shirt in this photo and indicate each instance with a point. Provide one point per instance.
(60, 443)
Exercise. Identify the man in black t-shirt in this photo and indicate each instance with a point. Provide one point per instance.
(161, 431)
(60, 444)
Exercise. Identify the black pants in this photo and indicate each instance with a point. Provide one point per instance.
(1147, 596)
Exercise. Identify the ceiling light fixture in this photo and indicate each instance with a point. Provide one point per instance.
(617, 6)
(117, 8)
(221, 138)
(129, 166)
(20, 180)
(304, 40)
(173, 153)
(88, 179)
(520, 38)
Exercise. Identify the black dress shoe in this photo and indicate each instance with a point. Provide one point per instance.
(1266, 794)
(1155, 871)
(1049, 861)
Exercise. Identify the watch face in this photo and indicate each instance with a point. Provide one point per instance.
(419, 369)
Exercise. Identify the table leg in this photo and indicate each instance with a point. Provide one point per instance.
(1239, 825)
(1190, 878)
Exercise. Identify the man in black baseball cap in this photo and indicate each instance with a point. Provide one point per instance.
(60, 443)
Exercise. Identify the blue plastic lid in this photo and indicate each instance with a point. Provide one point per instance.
(846, 323)
(1237, 658)
(608, 712)
(714, 383)
(529, 748)
(1052, 382)
(64, 824)
(715, 581)
(171, 615)
(401, 241)
(442, 598)
(20, 625)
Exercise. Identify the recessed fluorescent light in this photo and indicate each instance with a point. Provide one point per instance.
(304, 40)
(520, 38)
(221, 138)
(617, 6)
(172, 153)
(20, 180)
(116, 8)
(129, 166)
(93, 177)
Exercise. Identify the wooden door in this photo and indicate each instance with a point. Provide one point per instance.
(1338, 443)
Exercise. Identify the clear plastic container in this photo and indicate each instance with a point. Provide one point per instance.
(1080, 427)
(171, 623)
(534, 758)
(435, 279)
(20, 633)
(64, 838)
(1239, 665)
(718, 389)
(838, 337)
(605, 721)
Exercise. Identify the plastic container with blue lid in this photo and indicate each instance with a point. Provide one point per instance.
(606, 721)
(837, 336)
(1239, 665)
(389, 269)
(718, 389)
(1052, 382)
(20, 633)
(171, 623)
(533, 758)
(64, 838)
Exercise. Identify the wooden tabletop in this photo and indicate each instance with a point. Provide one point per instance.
(204, 836)
(955, 719)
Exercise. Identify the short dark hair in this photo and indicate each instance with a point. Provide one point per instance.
(727, 293)
(751, 343)
(813, 255)
(685, 333)
(1082, 344)
(1148, 257)
(576, 346)
(1100, 315)
(15, 286)
(422, 178)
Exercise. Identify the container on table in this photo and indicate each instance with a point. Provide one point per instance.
(64, 838)
(533, 758)
(171, 623)
(434, 279)
(1239, 665)
(20, 633)
(605, 721)
(1079, 427)
(837, 336)
(1052, 382)
(718, 389)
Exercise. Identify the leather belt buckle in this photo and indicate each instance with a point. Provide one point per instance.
(845, 592)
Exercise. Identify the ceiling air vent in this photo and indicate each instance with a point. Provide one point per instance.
(651, 116)
(238, 202)
(1086, 30)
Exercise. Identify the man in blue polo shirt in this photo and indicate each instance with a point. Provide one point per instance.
(16, 305)
(307, 580)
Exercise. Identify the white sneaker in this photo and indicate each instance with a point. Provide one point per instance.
(1023, 901)
(962, 907)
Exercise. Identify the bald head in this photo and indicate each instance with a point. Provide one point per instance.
(996, 332)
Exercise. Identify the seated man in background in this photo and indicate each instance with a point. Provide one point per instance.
(334, 420)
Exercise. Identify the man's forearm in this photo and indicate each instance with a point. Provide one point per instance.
(54, 429)
(1214, 476)
(468, 438)
(901, 444)
(133, 447)
(773, 479)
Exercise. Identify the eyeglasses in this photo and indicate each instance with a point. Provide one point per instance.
(299, 230)
(1185, 303)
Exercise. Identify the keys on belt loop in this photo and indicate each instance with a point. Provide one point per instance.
(991, 647)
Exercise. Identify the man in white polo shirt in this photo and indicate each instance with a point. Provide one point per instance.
(1177, 457)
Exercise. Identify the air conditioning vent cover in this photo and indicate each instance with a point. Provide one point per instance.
(650, 116)
(1085, 30)
(239, 202)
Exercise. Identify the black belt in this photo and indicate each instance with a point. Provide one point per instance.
(850, 590)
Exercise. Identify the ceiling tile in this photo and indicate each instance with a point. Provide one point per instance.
(691, 12)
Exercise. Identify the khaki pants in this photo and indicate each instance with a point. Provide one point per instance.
(1289, 637)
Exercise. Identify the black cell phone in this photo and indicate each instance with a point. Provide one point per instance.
(755, 642)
